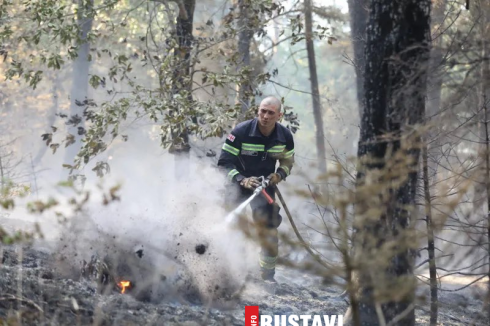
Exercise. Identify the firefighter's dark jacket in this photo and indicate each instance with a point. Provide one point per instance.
(246, 152)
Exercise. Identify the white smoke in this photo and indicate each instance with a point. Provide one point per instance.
(165, 216)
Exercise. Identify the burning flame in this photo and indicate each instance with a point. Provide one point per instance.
(123, 285)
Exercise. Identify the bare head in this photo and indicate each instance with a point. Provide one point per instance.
(269, 113)
(271, 101)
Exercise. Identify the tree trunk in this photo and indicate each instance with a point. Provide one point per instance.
(436, 56)
(184, 26)
(358, 21)
(2, 176)
(484, 7)
(430, 239)
(79, 88)
(276, 34)
(182, 83)
(433, 104)
(487, 182)
(397, 57)
(315, 93)
(245, 35)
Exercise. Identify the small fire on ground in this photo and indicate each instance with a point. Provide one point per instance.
(123, 285)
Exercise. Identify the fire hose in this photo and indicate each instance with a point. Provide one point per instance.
(264, 183)
(298, 235)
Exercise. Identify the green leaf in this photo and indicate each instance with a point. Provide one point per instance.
(7, 203)
(54, 147)
(94, 81)
(70, 139)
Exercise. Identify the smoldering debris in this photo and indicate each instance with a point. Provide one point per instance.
(201, 249)
(174, 268)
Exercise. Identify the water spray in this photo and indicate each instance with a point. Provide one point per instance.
(264, 183)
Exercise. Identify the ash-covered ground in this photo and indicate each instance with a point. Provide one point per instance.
(186, 269)
(36, 289)
(34, 293)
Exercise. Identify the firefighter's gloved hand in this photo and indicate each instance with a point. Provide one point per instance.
(274, 179)
(250, 183)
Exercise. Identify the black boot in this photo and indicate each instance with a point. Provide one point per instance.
(268, 275)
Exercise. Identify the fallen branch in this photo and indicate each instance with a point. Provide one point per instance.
(10, 297)
(402, 315)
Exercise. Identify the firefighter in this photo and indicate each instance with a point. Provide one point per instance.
(251, 150)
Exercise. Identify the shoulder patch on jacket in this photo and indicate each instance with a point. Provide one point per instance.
(231, 137)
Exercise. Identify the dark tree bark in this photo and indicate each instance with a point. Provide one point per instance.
(358, 21)
(430, 238)
(181, 74)
(184, 26)
(182, 81)
(397, 57)
(79, 88)
(315, 93)
(245, 35)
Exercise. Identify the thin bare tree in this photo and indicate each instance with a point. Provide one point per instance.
(315, 92)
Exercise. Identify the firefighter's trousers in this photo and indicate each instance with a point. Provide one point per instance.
(266, 220)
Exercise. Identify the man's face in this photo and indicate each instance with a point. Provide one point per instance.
(268, 115)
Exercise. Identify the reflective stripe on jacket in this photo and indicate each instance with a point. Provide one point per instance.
(246, 152)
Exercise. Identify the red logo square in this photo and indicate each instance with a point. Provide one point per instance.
(251, 315)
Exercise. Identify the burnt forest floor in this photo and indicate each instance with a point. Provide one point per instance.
(33, 293)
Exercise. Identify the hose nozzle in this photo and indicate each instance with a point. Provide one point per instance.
(264, 183)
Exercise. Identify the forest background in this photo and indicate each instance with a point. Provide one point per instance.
(140, 94)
